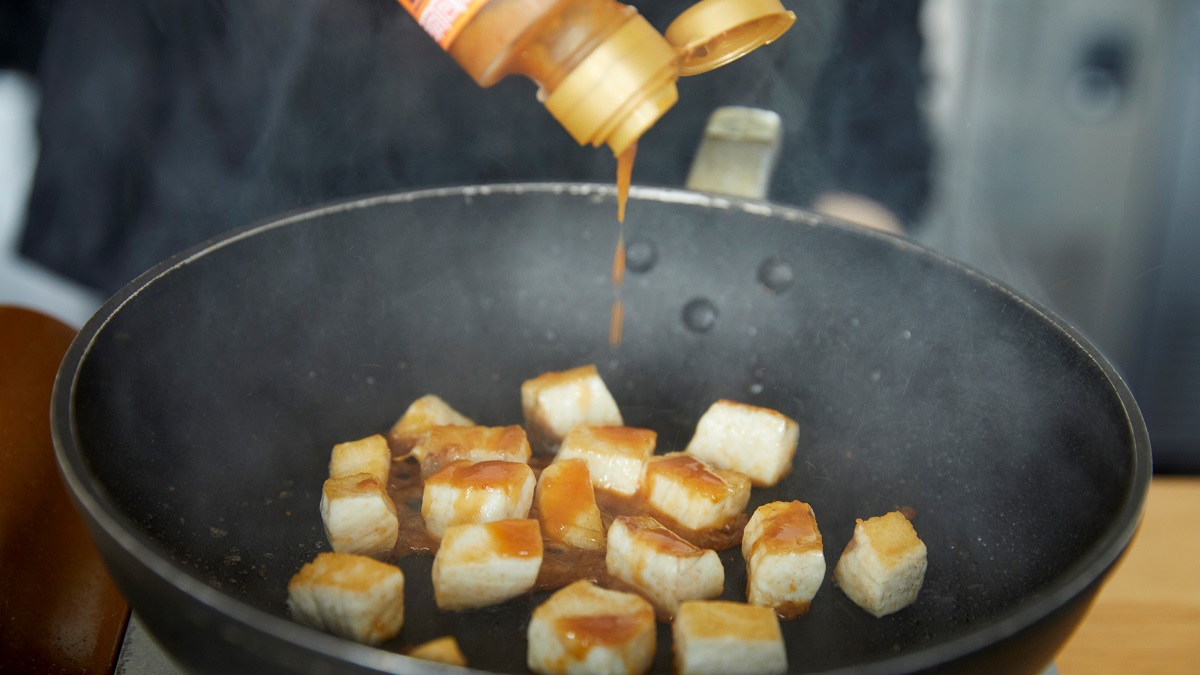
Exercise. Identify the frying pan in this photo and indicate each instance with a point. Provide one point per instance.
(194, 413)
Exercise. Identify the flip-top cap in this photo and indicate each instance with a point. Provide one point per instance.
(712, 33)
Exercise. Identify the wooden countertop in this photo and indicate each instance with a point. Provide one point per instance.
(59, 611)
(1147, 617)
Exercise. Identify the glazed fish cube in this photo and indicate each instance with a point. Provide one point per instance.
(583, 628)
(424, 414)
(660, 565)
(369, 455)
(350, 596)
(785, 563)
(615, 456)
(694, 493)
(727, 638)
(554, 403)
(476, 492)
(883, 566)
(359, 516)
(484, 564)
(566, 506)
(442, 445)
(758, 442)
(442, 650)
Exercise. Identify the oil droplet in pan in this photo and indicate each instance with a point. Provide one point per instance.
(699, 315)
(640, 256)
(776, 274)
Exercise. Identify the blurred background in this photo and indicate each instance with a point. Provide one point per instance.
(1052, 143)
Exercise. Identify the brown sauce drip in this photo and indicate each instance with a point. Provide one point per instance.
(624, 178)
(790, 611)
(564, 496)
(516, 538)
(584, 632)
(616, 322)
(725, 537)
(729, 535)
(486, 475)
(623, 436)
(665, 540)
(792, 529)
(618, 267)
(401, 444)
(564, 565)
(692, 472)
(406, 489)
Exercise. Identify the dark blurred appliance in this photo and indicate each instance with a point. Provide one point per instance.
(1070, 166)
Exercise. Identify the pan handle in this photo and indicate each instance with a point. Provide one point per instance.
(738, 152)
(737, 157)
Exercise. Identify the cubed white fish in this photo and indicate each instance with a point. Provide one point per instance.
(615, 456)
(442, 445)
(350, 596)
(359, 516)
(883, 567)
(663, 567)
(583, 628)
(556, 402)
(785, 562)
(368, 455)
(423, 414)
(476, 492)
(484, 564)
(694, 493)
(566, 506)
(727, 638)
(756, 441)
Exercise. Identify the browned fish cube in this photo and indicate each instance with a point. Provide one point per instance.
(442, 445)
(476, 492)
(566, 506)
(557, 402)
(694, 493)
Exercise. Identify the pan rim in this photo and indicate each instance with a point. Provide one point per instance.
(91, 497)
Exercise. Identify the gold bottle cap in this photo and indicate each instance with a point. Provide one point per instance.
(712, 33)
(620, 89)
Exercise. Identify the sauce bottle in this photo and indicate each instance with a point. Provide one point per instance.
(602, 70)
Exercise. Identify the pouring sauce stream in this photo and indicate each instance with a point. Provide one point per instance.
(624, 177)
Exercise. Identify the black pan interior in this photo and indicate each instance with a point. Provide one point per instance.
(213, 389)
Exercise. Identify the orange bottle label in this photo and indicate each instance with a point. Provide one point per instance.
(443, 19)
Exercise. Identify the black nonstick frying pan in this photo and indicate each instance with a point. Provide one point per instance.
(195, 412)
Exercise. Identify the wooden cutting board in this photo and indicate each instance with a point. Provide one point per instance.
(59, 610)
